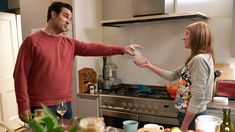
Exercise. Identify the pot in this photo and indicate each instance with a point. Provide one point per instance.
(208, 123)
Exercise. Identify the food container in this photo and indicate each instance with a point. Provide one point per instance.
(220, 100)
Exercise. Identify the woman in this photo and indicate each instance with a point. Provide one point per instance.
(195, 77)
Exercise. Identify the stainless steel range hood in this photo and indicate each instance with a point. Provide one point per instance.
(154, 18)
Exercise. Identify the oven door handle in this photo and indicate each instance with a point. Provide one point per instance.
(118, 114)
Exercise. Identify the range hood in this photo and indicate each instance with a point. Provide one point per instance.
(154, 18)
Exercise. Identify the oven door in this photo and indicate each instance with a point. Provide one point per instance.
(115, 118)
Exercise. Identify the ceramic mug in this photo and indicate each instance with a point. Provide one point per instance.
(154, 126)
(130, 125)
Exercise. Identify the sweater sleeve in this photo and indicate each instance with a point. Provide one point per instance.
(170, 75)
(22, 67)
(199, 76)
(96, 49)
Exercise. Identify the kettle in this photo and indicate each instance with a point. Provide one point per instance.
(208, 123)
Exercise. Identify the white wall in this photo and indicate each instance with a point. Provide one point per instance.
(162, 41)
(33, 15)
(87, 15)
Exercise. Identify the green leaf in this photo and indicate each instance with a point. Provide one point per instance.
(37, 127)
(50, 114)
(57, 129)
(48, 122)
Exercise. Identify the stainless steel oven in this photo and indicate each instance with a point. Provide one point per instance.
(117, 108)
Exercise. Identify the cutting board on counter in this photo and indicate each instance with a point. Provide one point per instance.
(150, 130)
(86, 76)
(227, 71)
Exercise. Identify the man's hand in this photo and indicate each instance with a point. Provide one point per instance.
(25, 115)
(130, 49)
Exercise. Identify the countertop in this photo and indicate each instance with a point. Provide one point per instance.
(215, 106)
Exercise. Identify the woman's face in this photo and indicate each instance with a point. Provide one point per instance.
(186, 39)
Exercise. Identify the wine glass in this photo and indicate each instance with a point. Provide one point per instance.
(61, 109)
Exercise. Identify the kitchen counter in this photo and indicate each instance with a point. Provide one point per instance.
(88, 96)
(216, 106)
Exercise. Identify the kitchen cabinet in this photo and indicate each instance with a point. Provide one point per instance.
(131, 13)
(88, 105)
(154, 18)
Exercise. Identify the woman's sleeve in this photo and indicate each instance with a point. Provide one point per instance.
(171, 75)
(199, 77)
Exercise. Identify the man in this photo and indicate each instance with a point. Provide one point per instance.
(43, 71)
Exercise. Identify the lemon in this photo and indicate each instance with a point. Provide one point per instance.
(175, 129)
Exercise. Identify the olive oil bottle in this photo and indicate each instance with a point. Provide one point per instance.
(227, 125)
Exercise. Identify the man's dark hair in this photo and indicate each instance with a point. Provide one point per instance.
(57, 6)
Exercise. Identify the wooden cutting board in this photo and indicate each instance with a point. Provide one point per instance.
(227, 71)
(150, 130)
(87, 76)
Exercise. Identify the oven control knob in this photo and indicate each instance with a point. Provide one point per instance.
(142, 107)
(124, 105)
(129, 106)
(136, 107)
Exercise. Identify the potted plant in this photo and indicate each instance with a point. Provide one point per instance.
(49, 122)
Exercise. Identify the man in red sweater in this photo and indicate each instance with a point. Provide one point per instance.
(43, 71)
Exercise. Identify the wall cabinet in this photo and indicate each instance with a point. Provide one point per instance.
(154, 18)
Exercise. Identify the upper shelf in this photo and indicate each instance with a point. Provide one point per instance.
(165, 17)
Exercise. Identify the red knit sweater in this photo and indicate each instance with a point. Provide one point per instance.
(43, 71)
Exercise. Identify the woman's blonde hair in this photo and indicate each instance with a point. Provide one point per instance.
(200, 40)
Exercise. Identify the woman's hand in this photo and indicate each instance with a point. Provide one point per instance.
(143, 62)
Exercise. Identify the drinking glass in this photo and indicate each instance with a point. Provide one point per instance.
(61, 109)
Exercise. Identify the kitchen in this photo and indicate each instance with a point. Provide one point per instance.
(162, 52)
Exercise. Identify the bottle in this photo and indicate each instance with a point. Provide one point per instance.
(227, 125)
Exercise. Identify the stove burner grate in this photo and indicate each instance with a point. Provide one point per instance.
(130, 90)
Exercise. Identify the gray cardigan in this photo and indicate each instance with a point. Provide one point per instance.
(201, 68)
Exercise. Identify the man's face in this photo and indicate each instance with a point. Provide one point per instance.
(63, 20)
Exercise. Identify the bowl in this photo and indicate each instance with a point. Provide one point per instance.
(220, 100)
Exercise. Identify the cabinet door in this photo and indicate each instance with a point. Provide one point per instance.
(8, 54)
(88, 107)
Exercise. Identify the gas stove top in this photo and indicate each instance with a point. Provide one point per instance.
(155, 92)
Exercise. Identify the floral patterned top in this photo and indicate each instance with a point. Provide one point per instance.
(183, 92)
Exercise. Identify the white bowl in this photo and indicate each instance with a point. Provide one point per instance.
(220, 100)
